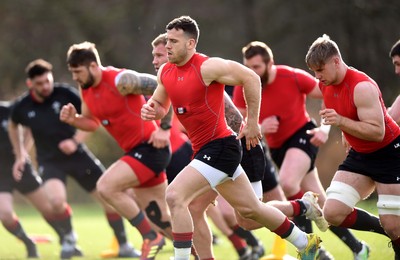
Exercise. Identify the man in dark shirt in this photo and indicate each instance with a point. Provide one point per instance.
(60, 152)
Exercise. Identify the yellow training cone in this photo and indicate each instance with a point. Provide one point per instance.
(113, 251)
(278, 251)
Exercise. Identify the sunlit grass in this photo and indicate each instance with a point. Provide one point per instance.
(95, 236)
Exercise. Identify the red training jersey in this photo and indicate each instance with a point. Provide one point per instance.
(341, 98)
(120, 115)
(200, 108)
(285, 98)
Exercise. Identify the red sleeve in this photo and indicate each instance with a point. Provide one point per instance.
(238, 98)
(306, 81)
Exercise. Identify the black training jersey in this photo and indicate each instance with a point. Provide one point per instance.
(44, 119)
(5, 144)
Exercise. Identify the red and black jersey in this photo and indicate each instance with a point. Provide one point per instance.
(120, 115)
(200, 108)
(341, 98)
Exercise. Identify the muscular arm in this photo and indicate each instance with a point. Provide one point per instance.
(132, 82)
(370, 125)
(232, 114)
(84, 121)
(232, 73)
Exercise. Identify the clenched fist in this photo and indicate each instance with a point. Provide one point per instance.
(68, 114)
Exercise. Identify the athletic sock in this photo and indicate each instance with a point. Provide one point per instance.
(396, 248)
(61, 223)
(348, 238)
(117, 224)
(182, 245)
(247, 235)
(292, 233)
(238, 243)
(143, 226)
(301, 221)
(17, 230)
(360, 219)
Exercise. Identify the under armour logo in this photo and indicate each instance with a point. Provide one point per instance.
(31, 114)
(207, 157)
(397, 178)
(138, 155)
(335, 95)
(180, 78)
(397, 145)
(302, 141)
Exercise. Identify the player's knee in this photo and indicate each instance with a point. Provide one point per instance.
(173, 198)
(247, 212)
(333, 216)
(389, 212)
(104, 188)
(341, 199)
(288, 186)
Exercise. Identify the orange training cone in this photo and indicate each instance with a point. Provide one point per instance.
(113, 251)
(278, 251)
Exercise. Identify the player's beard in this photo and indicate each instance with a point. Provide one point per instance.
(89, 82)
(264, 78)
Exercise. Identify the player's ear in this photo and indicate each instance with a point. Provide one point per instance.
(28, 83)
(191, 43)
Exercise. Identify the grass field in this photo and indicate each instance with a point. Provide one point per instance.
(95, 236)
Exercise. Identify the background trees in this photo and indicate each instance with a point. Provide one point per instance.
(123, 29)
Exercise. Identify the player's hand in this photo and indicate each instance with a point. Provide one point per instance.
(18, 169)
(318, 138)
(270, 125)
(68, 146)
(330, 117)
(252, 133)
(68, 114)
(148, 112)
(160, 138)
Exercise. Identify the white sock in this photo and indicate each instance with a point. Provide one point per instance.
(298, 238)
(182, 253)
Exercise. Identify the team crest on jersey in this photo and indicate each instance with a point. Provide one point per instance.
(31, 114)
(56, 107)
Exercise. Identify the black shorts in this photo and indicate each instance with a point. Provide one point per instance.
(253, 161)
(29, 182)
(300, 140)
(382, 166)
(153, 158)
(270, 180)
(223, 154)
(82, 165)
(179, 160)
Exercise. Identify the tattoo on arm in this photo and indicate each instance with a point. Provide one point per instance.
(137, 83)
(232, 115)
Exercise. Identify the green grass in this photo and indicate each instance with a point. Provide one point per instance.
(95, 236)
